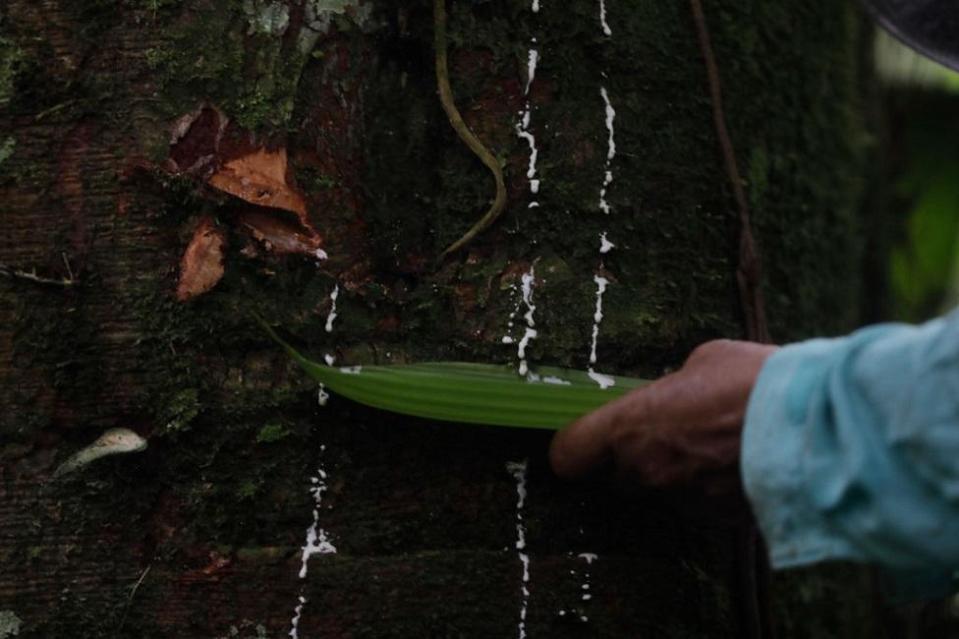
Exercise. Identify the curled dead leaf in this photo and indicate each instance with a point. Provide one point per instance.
(201, 266)
(207, 145)
(259, 177)
(282, 237)
(195, 140)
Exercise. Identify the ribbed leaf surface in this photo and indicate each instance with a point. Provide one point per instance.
(550, 398)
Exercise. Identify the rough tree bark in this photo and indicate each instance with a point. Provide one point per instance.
(200, 535)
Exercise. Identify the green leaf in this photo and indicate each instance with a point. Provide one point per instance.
(489, 394)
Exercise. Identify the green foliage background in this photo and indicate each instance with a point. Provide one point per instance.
(922, 98)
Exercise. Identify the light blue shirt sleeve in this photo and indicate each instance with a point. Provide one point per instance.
(851, 449)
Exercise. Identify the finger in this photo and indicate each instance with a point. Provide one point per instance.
(586, 444)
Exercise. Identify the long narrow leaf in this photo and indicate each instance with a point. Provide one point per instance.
(489, 394)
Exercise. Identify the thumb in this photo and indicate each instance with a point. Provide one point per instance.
(587, 444)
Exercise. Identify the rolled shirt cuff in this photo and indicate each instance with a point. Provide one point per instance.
(773, 445)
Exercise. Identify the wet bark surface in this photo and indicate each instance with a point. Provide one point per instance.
(119, 125)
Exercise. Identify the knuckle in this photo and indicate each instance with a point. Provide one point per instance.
(710, 349)
(627, 423)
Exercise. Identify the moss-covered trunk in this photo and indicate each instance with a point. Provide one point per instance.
(115, 118)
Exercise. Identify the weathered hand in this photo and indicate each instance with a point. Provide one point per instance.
(674, 430)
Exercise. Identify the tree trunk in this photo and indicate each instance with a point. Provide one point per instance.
(142, 139)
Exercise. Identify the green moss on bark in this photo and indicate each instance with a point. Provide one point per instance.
(415, 508)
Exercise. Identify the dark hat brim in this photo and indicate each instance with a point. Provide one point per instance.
(931, 27)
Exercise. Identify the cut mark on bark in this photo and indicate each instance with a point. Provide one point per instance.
(604, 381)
(526, 115)
(317, 539)
(587, 595)
(332, 316)
(322, 395)
(578, 611)
(529, 281)
(605, 245)
(610, 149)
(602, 18)
(519, 472)
(508, 337)
(317, 542)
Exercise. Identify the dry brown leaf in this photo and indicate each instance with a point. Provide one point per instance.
(259, 177)
(195, 140)
(281, 237)
(208, 146)
(201, 266)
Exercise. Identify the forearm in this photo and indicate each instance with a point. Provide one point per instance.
(851, 448)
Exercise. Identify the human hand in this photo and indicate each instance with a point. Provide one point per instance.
(677, 429)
